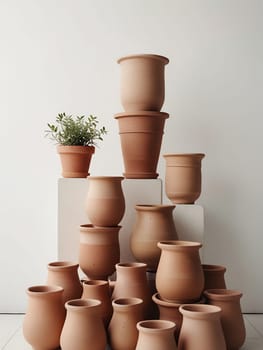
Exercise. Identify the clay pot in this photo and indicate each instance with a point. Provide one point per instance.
(231, 317)
(100, 290)
(214, 276)
(44, 317)
(75, 160)
(156, 334)
(142, 82)
(65, 275)
(83, 326)
(122, 330)
(179, 276)
(183, 177)
(105, 203)
(99, 251)
(201, 328)
(153, 223)
(141, 136)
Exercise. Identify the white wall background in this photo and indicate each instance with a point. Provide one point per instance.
(60, 55)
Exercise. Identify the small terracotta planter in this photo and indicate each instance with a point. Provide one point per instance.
(214, 276)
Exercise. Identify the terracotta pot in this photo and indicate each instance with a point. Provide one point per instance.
(122, 330)
(105, 203)
(183, 177)
(201, 328)
(156, 334)
(65, 275)
(99, 251)
(83, 326)
(45, 315)
(100, 290)
(231, 317)
(141, 136)
(75, 160)
(214, 276)
(179, 276)
(153, 223)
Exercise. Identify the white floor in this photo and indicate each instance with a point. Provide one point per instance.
(11, 337)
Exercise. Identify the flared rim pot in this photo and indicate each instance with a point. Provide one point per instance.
(179, 245)
(200, 311)
(82, 304)
(222, 294)
(65, 265)
(164, 59)
(183, 159)
(41, 290)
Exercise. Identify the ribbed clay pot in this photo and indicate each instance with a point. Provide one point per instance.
(141, 136)
(142, 82)
(179, 276)
(45, 316)
(153, 223)
(214, 276)
(99, 251)
(83, 326)
(231, 317)
(105, 203)
(183, 177)
(201, 328)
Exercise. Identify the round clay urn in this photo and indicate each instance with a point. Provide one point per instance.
(142, 82)
(153, 223)
(201, 328)
(214, 276)
(179, 276)
(183, 177)
(105, 203)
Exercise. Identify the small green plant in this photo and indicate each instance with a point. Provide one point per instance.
(75, 131)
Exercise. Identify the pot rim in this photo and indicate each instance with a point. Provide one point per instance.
(155, 325)
(80, 304)
(117, 178)
(179, 155)
(95, 282)
(178, 244)
(213, 268)
(199, 310)
(141, 114)
(90, 227)
(64, 149)
(222, 294)
(57, 265)
(44, 289)
(130, 264)
(162, 58)
(154, 207)
(124, 302)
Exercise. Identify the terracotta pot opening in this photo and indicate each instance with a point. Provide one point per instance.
(127, 301)
(156, 324)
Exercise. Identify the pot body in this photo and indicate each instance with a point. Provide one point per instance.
(214, 276)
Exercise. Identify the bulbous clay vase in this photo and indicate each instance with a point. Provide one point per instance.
(179, 276)
(105, 203)
(214, 276)
(65, 275)
(122, 330)
(183, 177)
(141, 136)
(44, 317)
(156, 335)
(231, 317)
(100, 290)
(83, 326)
(142, 82)
(201, 328)
(153, 223)
(99, 251)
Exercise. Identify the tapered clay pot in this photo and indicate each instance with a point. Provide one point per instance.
(231, 317)
(45, 316)
(214, 276)
(83, 326)
(105, 203)
(201, 328)
(142, 82)
(99, 251)
(183, 177)
(122, 330)
(141, 136)
(153, 223)
(75, 160)
(179, 276)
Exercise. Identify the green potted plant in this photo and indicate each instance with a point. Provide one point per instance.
(76, 137)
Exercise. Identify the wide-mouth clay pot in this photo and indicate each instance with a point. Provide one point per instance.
(214, 276)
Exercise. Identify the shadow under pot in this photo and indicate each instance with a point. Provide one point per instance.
(214, 276)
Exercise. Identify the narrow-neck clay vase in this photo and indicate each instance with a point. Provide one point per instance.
(231, 317)
(142, 82)
(153, 223)
(214, 276)
(44, 318)
(122, 331)
(83, 327)
(183, 177)
(105, 203)
(201, 328)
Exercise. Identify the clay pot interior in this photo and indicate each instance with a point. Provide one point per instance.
(43, 289)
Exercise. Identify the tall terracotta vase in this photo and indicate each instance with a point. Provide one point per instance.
(105, 203)
(83, 326)
(201, 328)
(141, 136)
(214, 276)
(153, 223)
(142, 82)
(99, 251)
(179, 276)
(183, 177)
(45, 316)
(231, 318)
